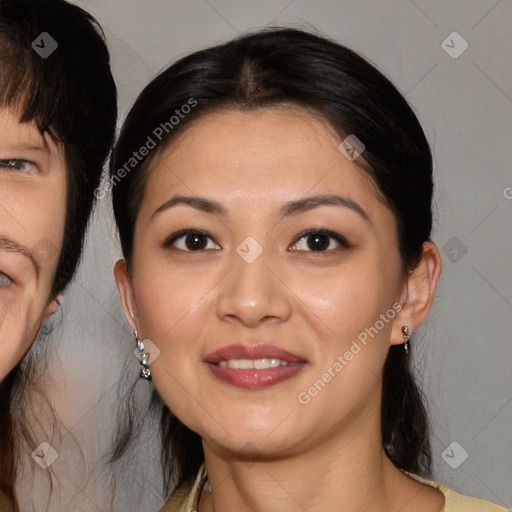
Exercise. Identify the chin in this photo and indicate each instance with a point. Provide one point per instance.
(270, 439)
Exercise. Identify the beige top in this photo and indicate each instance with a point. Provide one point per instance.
(186, 499)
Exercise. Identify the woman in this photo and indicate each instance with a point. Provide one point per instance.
(57, 120)
(275, 226)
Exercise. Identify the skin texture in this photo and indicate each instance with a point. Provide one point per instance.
(32, 213)
(264, 449)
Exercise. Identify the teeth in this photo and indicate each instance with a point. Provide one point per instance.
(261, 364)
(258, 364)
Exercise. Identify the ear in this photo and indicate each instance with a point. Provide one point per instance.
(126, 293)
(418, 293)
(53, 306)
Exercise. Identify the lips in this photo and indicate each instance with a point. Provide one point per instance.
(252, 352)
(254, 367)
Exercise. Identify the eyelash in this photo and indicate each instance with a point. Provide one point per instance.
(7, 164)
(343, 242)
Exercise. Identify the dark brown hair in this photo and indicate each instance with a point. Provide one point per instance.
(292, 67)
(70, 95)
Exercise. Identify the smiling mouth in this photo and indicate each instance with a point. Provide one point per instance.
(254, 367)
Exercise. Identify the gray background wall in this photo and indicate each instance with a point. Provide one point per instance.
(464, 351)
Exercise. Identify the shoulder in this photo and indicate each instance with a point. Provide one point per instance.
(186, 497)
(178, 500)
(455, 502)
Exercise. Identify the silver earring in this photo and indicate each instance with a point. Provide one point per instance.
(145, 372)
(406, 333)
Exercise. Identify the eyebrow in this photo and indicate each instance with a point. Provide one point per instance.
(41, 151)
(290, 208)
(29, 143)
(7, 245)
(42, 148)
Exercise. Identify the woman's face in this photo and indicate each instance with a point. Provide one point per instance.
(263, 257)
(32, 215)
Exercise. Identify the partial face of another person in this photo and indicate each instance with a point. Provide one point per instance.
(32, 217)
(261, 254)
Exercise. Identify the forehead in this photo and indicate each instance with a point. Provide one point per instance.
(284, 130)
(15, 130)
(256, 161)
(25, 136)
(257, 155)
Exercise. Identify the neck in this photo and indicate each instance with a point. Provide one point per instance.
(349, 473)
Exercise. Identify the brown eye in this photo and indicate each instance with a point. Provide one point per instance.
(190, 240)
(320, 241)
(196, 242)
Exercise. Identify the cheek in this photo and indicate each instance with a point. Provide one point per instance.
(172, 308)
(172, 313)
(41, 212)
(168, 301)
(48, 229)
(20, 321)
(347, 301)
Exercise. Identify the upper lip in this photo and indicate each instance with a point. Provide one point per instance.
(252, 352)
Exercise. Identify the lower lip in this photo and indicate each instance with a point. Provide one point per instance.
(255, 379)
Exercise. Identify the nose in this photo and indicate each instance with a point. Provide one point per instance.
(253, 294)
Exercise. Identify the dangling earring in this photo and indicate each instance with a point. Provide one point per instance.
(407, 336)
(145, 372)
